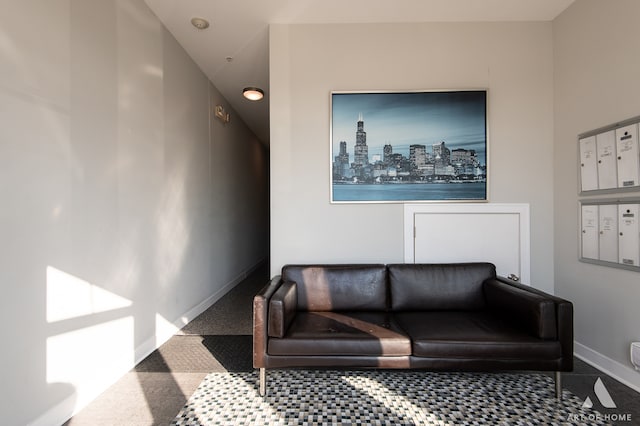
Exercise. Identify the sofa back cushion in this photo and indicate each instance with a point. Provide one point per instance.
(455, 286)
(339, 287)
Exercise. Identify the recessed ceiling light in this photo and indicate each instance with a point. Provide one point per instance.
(200, 23)
(253, 93)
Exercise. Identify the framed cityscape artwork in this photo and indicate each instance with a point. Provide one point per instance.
(398, 147)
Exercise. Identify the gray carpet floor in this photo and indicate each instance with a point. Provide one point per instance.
(219, 340)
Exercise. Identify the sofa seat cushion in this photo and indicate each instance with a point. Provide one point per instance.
(472, 334)
(342, 333)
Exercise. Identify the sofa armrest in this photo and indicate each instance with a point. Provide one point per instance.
(260, 321)
(282, 309)
(534, 311)
(502, 293)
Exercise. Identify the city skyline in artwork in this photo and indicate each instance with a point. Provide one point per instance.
(408, 138)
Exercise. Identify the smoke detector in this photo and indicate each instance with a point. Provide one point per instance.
(200, 23)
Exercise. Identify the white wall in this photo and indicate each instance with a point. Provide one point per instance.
(514, 61)
(597, 69)
(125, 210)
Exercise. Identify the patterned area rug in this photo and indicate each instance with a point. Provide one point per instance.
(320, 397)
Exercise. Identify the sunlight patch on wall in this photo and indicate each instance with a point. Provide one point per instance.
(164, 329)
(90, 358)
(70, 297)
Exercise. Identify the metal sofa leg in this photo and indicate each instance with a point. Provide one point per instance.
(558, 386)
(263, 381)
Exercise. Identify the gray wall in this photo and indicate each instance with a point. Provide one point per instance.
(597, 69)
(512, 60)
(126, 208)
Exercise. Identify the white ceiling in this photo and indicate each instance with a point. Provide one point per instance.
(239, 30)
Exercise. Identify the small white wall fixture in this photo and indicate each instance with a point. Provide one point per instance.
(496, 233)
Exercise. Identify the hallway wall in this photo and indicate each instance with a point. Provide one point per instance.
(127, 209)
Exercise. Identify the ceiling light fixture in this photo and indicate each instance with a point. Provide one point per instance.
(200, 23)
(253, 93)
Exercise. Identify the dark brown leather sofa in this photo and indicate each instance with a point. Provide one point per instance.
(456, 317)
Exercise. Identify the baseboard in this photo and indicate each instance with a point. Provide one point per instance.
(67, 408)
(58, 414)
(622, 373)
(153, 343)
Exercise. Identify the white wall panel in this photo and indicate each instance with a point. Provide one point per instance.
(461, 233)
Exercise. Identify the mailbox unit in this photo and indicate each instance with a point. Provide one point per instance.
(610, 164)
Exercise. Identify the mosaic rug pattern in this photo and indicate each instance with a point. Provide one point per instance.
(320, 397)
